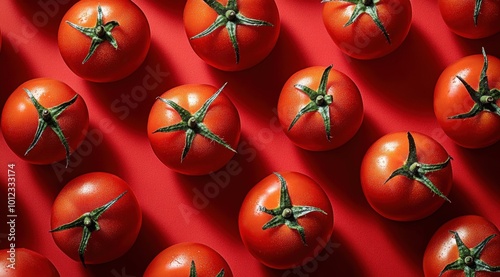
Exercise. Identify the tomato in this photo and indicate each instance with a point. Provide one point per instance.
(232, 35)
(44, 120)
(320, 109)
(464, 246)
(188, 259)
(467, 99)
(406, 176)
(104, 40)
(22, 262)
(95, 218)
(285, 220)
(471, 18)
(367, 29)
(194, 129)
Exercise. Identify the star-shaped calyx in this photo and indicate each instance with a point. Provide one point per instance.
(286, 213)
(88, 222)
(365, 6)
(192, 271)
(469, 260)
(100, 33)
(230, 17)
(193, 124)
(320, 102)
(413, 169)
(484, 98)
(47, 117)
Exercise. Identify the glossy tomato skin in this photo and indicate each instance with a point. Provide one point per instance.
(401, 198)
(107, 64)
(255, 43)
(459, 17)
(281, 247)
(175, 261)
(27, 263)
(442, 248)
(346, 111)
(363, 39)
(120, 224)
(451, 98)
(20, 120)
(205, 155)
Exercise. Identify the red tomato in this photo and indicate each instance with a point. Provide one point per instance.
(194, 129)
(184, 259)
(467, 100)
(100, 204)
(406, 176)
(104, 40)
(244, 36)
(463, 246)
(471, 18)
(320, 109)
(367, 29)
(22, 262)
(46, 127)
(285, 220)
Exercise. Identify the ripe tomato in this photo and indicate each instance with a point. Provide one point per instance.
(232, 35)
(194, 129)
(467, 99)
(188, 259)
(320, 109)
(23, 262)
(104, 40)
(367, 29)
(471, 18)
(44, 120)
(95, 218)
(406, 176)
(464, 246)
(285, 220)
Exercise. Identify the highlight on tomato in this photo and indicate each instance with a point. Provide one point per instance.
(194, 129)
(104, 40)
(367, 29)
(188, 259)
(22, 262)
(467, 101)
(232, 35)
(285, 220)
(44, 121)
(406, 176)
(320, 108)
(95, 218)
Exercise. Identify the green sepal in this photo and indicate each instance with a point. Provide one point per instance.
(193, 124)
(477, 10)
(414, 170)
(89, 223)
(192, 271)
(286, 213)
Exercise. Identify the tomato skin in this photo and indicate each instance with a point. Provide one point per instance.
(133, 36)
(442, 249)
(401, 198)
(459, 17)
(363, 39)
(281, 247)
(20, 120)
(28, 263)
(120, 224)
(175, 261)
(451, 98)
(205, 155)
(255, 43)
(346, 111)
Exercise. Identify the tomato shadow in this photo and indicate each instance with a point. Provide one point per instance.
(174, 8)
(473, 46)
(129, 101)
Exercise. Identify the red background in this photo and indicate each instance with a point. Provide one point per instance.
(397, 93)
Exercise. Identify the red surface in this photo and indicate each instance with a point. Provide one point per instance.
(397, 92)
